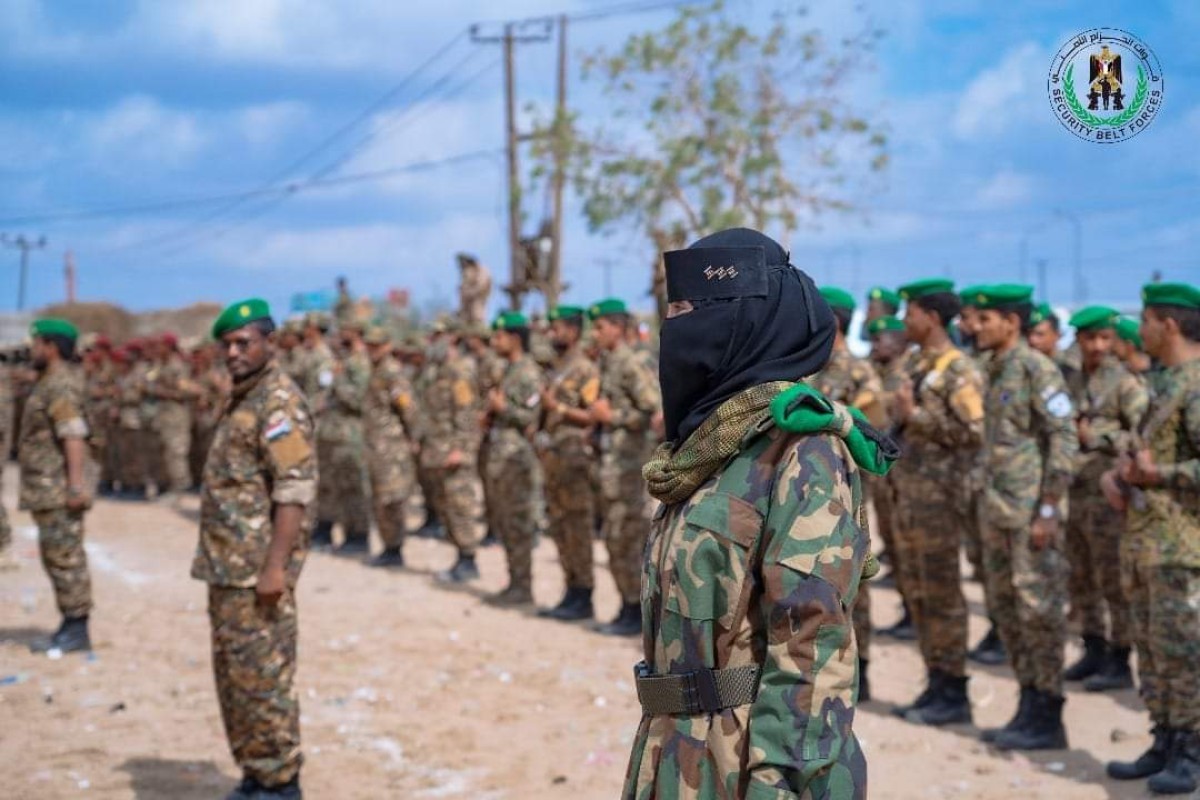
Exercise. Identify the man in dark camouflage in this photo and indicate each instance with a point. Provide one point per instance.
(889, 356)
(567, 458)
(513, 408)
(1029, 452)
(1158, 486)
(748, 681)
(624, 413)
(52, 452)
(343, 495)
(1109, 404)
(939, 415)
(256, 512)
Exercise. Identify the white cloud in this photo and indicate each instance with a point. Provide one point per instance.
(140, 129)
(1003, 96)
(266, 124)
(1004, 189)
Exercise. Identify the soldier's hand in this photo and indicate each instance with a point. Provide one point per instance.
(548, 401)
(1112, 492)
(1043, 532)
(78, 501)
(270, 586)
(903, 402)
(1145, 472)
(1084, 429)
(496, 401)
(602, 411)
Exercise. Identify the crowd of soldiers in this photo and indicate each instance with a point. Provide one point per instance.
(1015, 450)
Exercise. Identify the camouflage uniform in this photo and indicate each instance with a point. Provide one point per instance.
(854, 382)
(130, 441)
(511, 465)
(489, 371)
(206, 407)
(343, 494)
(743, 574)
(389, 422)
(55, 412)
(882, 489)
(626, 444)
(567, 460)
(262, 456)
(1161, 554)
(101, 403)
(941, 439)
(148, 434)
(1113, 402)
(6, 431)
(1029, 450)
(451, 408)
(174, 388)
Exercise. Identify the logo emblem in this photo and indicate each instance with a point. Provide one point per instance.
(1105, 85)
(720, 273)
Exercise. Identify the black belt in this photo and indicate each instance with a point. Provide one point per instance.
(702, 691)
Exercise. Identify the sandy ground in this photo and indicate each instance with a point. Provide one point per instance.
(413, 690)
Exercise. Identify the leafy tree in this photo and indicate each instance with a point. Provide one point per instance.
(710, 124)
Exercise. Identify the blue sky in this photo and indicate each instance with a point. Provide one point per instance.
(131, 102)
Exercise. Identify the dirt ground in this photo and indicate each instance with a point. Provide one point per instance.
(413, 690)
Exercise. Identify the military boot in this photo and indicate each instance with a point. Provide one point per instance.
(1183, 765)
(950, 705)
(431, 528)
(287, 791)
(390, 558)
(628, 622)
(1018, 721)
(932, 686)
(864, 683)
(463, 570)
(1115, 674)
(990, 650)
(1148, 763)
(357, 545)
(490, 539)
(513, 595)
(904, 630)
(322, 535)
(1095, 652)
(567, 597)
(246, 790)
(71, 636)
(1044, 730)
(578, 607)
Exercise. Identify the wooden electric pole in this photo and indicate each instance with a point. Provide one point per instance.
(24, 245)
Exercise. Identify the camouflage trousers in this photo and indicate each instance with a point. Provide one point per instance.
(862, 620)
(1165, 605)
(175, 433)
(929, 530)
(254, 663)
(883, 496)
(570, 508)
(512, 465)
(5, 526)
(130, 446)
(457, 494)
(156, 469)
(342, 495)
(60, 540)
(626, 520)
(1094, 550)
(489, 486)
(393, 479)
(1027, 595)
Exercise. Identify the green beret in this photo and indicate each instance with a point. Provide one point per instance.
(50, 326)
(1171, 294)
(882, 324)
(510, 321)
(377, 334)
(239, 315)
(885, 296)
(1041, 312)
(969, 294)
(917, 289)
(1002, 295)
(838, 298)
(1094, 318)
(567, 312)
(607, 308)
(1129, 330)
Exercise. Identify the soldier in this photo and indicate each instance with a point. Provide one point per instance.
(100, 374)
(175, 391)
(567, 458)
(881, 302)
(209, 375)
(147, 369)
(489, 370)
(888, 354)
(289, 354)
(1045, 332)
(624, 412)
(938, 411)
(1109, 404)
(6, 431)
(343, 307)
(390, 425)
(1128, 348)
(1158, 487)
(318, 368)
(513, 407)
(260, 483)
(853, 382)
(1029, 449)
(474, 289)
(343, 494)
(131, 443)
(451, 409)
(759, 545)
(52, 453)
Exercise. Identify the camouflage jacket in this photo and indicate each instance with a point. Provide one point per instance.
(343, 417)
(944, 434)
(521, 386)
(489, 371)
(450, 407)
(389, 414)
(212, 388)
(1164, 521)
(317, 368)
(575, 385)
(262, 455)
(633, 392)
(173, 385)
(129, 400)
(292, 363)
(760, 566)
(1030, 443)
(54, 412)
(1113, 402)
(853, 382)
(7, 408)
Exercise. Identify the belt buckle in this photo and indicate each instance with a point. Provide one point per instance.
(700, 692)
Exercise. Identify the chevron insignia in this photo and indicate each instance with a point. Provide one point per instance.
(720, 273)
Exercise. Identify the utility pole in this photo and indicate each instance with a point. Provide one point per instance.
(1077, 254)
(24, 244)
(69, 274)
(554, 285)
(510, 39)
